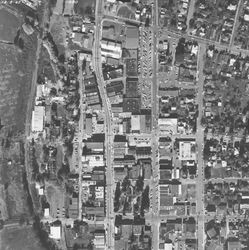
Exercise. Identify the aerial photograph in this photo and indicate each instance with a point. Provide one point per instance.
(124, 124)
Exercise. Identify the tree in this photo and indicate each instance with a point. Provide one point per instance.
(191, 23)
(140, 184)
(88, 11)
(61, 58)
(126, 183)
(145, 203)
(216, 200)
(53, 3)
(53, 91)
(84, 65)
(117, 196)
(207, 172)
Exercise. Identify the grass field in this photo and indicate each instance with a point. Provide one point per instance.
(45, 68)
(11, 181)
(58, 27)
(85, 7)
(23, 238)
(9, 25)
(125, 12)
(16, 68)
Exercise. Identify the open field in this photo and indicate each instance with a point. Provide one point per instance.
(15, 74)
(11, 181)
(126, 12)
(23, 238)
(58, 29)
(85, 7)
(45, 68)
(9, 25)
(16, 67)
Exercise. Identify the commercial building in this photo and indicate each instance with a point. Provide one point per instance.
(55, 232)
(73, 210)
(38, 119)
(168, 125)
(111, 49)
(187, 150)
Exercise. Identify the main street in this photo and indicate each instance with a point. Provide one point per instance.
(80, 134)
(154, 113)
(200, 143)
(108, 123)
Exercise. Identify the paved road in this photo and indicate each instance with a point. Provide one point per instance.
(108, 131)
(191, 9)
(154, 105)
(80, 134)
(239, 8)
(200, 143)
(205, 41)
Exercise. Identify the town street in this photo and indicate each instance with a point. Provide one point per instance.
(154, 114)
(200, 143)
(108, 122)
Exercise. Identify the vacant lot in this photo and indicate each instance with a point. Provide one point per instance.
(9, 25)
(12, 82)
(56, 199)
(23, 238)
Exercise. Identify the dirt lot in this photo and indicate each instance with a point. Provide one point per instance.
(22, 238)
(56, 199)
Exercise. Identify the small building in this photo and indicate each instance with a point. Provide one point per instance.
(234, 245)
(46, 212)
(111, 49)
(55, 232)
(89, 125)
(168, 246)
(73, 210)
(168, 125)
(135, 124)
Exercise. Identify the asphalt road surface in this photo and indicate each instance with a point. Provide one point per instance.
(108, 122)
(155, 167)
(200, 142)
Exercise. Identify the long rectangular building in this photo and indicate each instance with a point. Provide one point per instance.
(38, 119)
